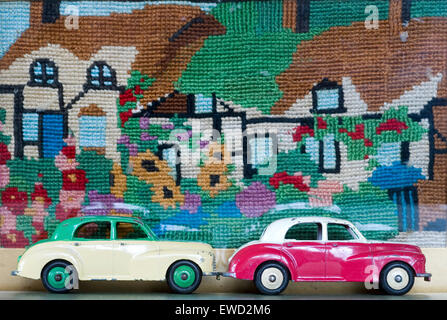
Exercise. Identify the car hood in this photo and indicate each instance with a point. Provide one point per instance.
(184, 246)
(393, 246)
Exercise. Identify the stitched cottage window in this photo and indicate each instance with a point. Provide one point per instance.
(92, 129)
(171, 154)
(100, 75)
(261, 150)
(326, 153)
(203, 104)
(327, 97)
(43, 72)
(30, 127)
(389, 153)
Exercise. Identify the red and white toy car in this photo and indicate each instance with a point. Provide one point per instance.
(325, 249)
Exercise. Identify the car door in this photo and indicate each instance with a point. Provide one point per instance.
(93, 246)
(304, 246)
(135, 252)
(347, 258)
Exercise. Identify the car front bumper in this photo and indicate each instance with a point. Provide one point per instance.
(426, 276)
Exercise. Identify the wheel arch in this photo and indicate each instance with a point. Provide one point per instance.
(397, 261)
(273, 261)
(179, 260)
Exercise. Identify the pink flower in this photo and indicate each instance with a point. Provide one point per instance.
(7, 221)
(63, 163)
(71, 199)
(4, 176)
(322, 196)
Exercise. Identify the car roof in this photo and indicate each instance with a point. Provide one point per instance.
(65, 229)
(277, 229)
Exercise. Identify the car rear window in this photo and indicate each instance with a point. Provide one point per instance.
(99, 230)
(304, 231)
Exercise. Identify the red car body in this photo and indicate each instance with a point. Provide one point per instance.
(356, 260)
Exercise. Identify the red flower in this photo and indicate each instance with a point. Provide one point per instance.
(391, 124)
(40, 194)
(4, 154)
(69, 152)
(14, 239)
(321, 123)
(124, 116)
(285, 178)
(15, 200)
(138, 90)
(368, 143)
(300, 131)
(64, 214)
(127, 96)
(74, 179)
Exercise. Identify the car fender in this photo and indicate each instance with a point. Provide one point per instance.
(246, 260)
(35, 258)
(381, 259)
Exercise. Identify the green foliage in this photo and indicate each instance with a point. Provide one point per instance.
(329, 13)
(24, 174)
(97, 169)
(369, 205)
(428, 8)
(292, 162)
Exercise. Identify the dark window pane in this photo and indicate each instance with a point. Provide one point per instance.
(338, 232)
(94, 231)
(304, 231)
(125, 230)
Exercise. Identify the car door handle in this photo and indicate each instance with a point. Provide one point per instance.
(288, 244)
(122, 244)
(76, 244)
(334, 245)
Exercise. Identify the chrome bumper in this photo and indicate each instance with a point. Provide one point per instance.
(426, 276)
(220, 274)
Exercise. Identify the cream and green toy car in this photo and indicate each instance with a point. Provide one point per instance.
(114, 248)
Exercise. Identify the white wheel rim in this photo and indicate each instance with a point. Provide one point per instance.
(397, 278)
(272, 278)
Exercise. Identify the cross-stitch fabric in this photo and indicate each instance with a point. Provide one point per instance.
(210, 120)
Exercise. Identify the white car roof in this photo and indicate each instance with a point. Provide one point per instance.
(276, 231)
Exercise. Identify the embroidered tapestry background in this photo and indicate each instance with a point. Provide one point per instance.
(209, 120)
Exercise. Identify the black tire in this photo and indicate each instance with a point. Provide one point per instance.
(52, 279)
(184, 277)
(396, 278)
(271, 278)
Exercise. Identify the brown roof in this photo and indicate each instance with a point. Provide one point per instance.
(164, 36)
(381, 65)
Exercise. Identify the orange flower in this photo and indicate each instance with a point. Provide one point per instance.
(152, 170)
(213, 175)
(118, 181)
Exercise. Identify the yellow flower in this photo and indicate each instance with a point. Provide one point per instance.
(213, 175)
(152, 170)
(118, 183)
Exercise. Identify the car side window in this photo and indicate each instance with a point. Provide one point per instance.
(99, 230)
(126, 230)
(304, 231)
(339, 232)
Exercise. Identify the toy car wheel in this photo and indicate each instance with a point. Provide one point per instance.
(184, 277)
(397, 278)
(58, 277)
(271, 278)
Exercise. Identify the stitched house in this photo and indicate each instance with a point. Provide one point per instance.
(59, 80)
